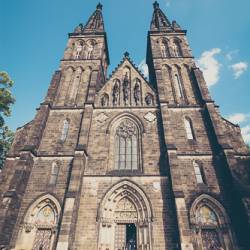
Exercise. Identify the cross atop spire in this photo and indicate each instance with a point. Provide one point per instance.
(159, 20)
(95, 22)
(156, 5)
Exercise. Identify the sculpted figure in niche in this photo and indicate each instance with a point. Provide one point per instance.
(104, 100)
(79, 47)
(126, 88)
(90, 49)
(149, 99)
(137, 92)
(115, 93)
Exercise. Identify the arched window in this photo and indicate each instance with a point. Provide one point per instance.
(177, 48)
(164, 48)
(65, 130)
(126, 146)
(179, 87)
(199, 173)
(209, 228)
(189, 128)
(54, 173)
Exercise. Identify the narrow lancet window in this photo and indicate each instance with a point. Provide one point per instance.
(54, 173)
(189, 129)
(177, 48)
(198, 173)
(65, 130)
(179, 86)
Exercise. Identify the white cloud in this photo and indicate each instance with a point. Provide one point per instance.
(230, 55)
(238, 118)
(239, 68)
(210, 66)
(246, 133)
(143, 67)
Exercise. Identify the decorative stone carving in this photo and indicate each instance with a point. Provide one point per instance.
(150, 117)
(104, 100)
(126, 129)
(126, 88)
(137, 92)
(102, 117)
(125, 210)
(28, 227)
(115, 93)
(149, 99)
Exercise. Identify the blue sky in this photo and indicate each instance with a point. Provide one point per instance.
(34, 35)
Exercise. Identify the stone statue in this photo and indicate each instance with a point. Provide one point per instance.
(115, 93)
(137, 93)
(149, 100)
(126, 88)
(104, 101)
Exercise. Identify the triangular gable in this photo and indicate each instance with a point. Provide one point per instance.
(126, 87)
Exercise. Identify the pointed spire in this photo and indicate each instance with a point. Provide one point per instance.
(159, 20)
(95, 22)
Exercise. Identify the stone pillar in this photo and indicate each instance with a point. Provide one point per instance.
(183, 223)
(71, 204)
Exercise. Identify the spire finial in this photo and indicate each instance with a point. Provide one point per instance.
(99, 6)
(126, 54)
(156, 5)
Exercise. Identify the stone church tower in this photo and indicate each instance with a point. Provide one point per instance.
(124, 162)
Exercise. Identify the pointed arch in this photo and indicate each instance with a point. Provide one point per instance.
(125, 143)
(164, 47)
(40, 224)
(189, 128)
(134, 193)
(130, 116)
(104, 100)
(177, 48)
(125, 203)
(199, 172)
(211, 223)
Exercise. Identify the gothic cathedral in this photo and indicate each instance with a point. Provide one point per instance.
(126, 163)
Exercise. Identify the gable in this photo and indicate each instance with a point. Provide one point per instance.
(126, 88)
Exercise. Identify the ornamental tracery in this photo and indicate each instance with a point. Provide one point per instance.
(210, 224)
(40, 225)
(126, 149)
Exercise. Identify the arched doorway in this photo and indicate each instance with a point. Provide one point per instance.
(125, 219)
(40, 225)
(210, 223)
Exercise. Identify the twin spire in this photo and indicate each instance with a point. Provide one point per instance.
(94, 24)
(159, 22)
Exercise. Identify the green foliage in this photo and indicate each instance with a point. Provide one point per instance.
(6, 139)
(6, 100)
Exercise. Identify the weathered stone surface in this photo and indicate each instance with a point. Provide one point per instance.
(61, 187)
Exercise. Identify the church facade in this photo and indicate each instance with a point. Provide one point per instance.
(122, 162)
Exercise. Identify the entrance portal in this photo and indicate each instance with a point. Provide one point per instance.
(125, 218)
(125, 237)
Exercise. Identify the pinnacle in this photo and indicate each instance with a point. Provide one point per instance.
(99, 6)
(126, 54)
(156, 5)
